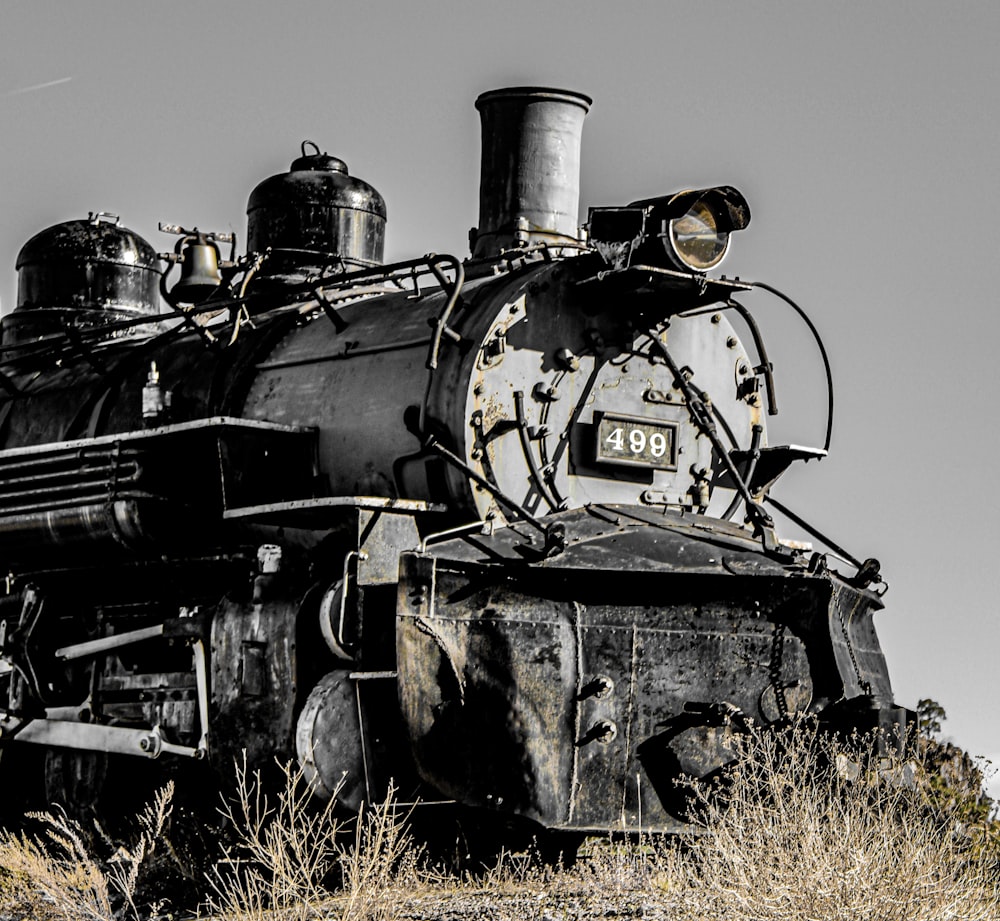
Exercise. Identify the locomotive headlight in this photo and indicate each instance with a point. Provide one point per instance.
(696, 225)
(696, 238)
(689, 230)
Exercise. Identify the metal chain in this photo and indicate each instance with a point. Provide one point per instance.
(865, 686)
(774, 670)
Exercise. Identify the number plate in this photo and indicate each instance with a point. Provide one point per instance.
(639, 442)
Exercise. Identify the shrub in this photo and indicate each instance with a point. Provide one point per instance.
(807, 827)
(804, 826)
(292, 855)
(56, 876)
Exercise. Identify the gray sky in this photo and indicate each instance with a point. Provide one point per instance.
(864, 135)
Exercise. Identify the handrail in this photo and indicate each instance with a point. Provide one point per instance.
(397, 273)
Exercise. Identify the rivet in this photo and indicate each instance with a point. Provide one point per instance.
(604, 686)
(603, 731)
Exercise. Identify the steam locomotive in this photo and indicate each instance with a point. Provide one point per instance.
(494, 530)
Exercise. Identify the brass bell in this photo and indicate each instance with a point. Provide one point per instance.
(200, 274)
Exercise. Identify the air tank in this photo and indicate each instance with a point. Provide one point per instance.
(315, 218)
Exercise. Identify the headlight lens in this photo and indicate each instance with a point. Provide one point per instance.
(696, 239)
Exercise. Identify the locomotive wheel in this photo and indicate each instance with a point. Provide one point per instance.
(328, 741)
(104, 794)
(93, 786)
(112, 790)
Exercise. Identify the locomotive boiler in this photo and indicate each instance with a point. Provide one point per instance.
(495, 530)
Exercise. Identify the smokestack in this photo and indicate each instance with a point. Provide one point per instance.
(529, 187)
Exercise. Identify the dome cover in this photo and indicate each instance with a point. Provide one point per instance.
(92, 264)
(316, 209)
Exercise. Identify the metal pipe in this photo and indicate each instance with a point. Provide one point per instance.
(815, 532)
(529, 189)
(77, 457)
(69, 480)
(758, 431)
(702, 417)
(441, 325)
(765, 367)
(552, 536)
(822, 351)
(529, 456)
(93, 504)
(92, 648)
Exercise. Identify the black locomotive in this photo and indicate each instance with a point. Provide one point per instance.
(495, 529)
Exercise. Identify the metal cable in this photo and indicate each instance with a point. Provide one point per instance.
(822, 351)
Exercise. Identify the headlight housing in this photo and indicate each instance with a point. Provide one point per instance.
(688, 230)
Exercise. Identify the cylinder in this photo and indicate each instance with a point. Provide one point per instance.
(529, 189)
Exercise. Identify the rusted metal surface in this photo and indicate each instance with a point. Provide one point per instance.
(555, 692)
(255, 681)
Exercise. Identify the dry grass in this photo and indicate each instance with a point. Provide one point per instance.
(293, 858)
(814, 829)
(55, 876)
(283, 854)
(805, 829)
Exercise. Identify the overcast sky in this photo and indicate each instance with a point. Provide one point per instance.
(864, 135)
